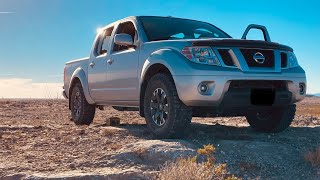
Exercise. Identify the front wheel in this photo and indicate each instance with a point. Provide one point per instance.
(81, 111)
(166, 115)
(275, 120)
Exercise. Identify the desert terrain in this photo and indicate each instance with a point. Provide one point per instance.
(38, 141)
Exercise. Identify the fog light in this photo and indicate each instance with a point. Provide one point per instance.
(302, 88)
(203, 87)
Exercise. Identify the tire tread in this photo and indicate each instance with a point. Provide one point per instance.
(182, 113)
(88, 110)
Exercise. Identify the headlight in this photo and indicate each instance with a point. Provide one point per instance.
(201, 55)
(292, 60)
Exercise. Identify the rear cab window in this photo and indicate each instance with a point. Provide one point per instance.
(103, 42)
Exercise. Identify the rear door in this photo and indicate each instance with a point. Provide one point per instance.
(122, 78)
(97, 69)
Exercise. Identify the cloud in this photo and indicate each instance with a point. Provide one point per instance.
(4, 75)
(6, 12)
(26, 88)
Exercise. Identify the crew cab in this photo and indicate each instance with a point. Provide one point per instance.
(172, 69)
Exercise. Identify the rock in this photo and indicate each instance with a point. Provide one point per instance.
(113, 121)
(104, 173)
(156, 151)
(82, 132)
(72, 166)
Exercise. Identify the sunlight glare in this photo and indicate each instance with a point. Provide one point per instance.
(99, 30)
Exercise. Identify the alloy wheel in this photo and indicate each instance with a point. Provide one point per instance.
(77, 104)
(159, 107)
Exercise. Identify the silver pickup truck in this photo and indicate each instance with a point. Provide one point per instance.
(172, 69)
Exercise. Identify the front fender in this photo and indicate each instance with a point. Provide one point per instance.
(81, 75)
(170, 58)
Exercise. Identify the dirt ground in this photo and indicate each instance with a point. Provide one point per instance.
(38, 141)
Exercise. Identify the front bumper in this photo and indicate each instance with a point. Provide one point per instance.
(188, 87)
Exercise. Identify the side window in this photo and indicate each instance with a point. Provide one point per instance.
(127, 28)
(104, 41)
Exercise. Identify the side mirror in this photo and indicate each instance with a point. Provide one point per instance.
(255, 26)
(123, 39)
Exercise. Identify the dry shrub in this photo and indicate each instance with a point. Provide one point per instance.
(6, 102)
(190, 169)
(313, 157)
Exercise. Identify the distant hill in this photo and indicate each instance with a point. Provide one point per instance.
(313, 95)
(318, 94)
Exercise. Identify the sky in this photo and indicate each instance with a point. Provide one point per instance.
(38, 36)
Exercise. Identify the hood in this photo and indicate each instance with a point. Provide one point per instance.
(241, 43)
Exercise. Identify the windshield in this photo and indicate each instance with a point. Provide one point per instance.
(166, 28)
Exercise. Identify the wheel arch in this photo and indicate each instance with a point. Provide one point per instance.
(79, 76)
(152, 70)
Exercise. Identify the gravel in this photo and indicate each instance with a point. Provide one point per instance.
(38, 141)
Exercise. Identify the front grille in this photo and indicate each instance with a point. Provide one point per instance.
(258, 84)
(284, 59)
(226, 57)
(249, 53)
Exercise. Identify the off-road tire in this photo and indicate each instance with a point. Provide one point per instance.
(86, 111)
(179, 115)
(278, 119)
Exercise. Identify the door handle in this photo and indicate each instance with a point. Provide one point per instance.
(92, 64)
(110, 61)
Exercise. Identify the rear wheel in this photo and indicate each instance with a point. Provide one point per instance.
(81, 111)
(166, 115)
(275, 120)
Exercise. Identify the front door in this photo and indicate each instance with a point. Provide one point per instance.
(122, 76)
